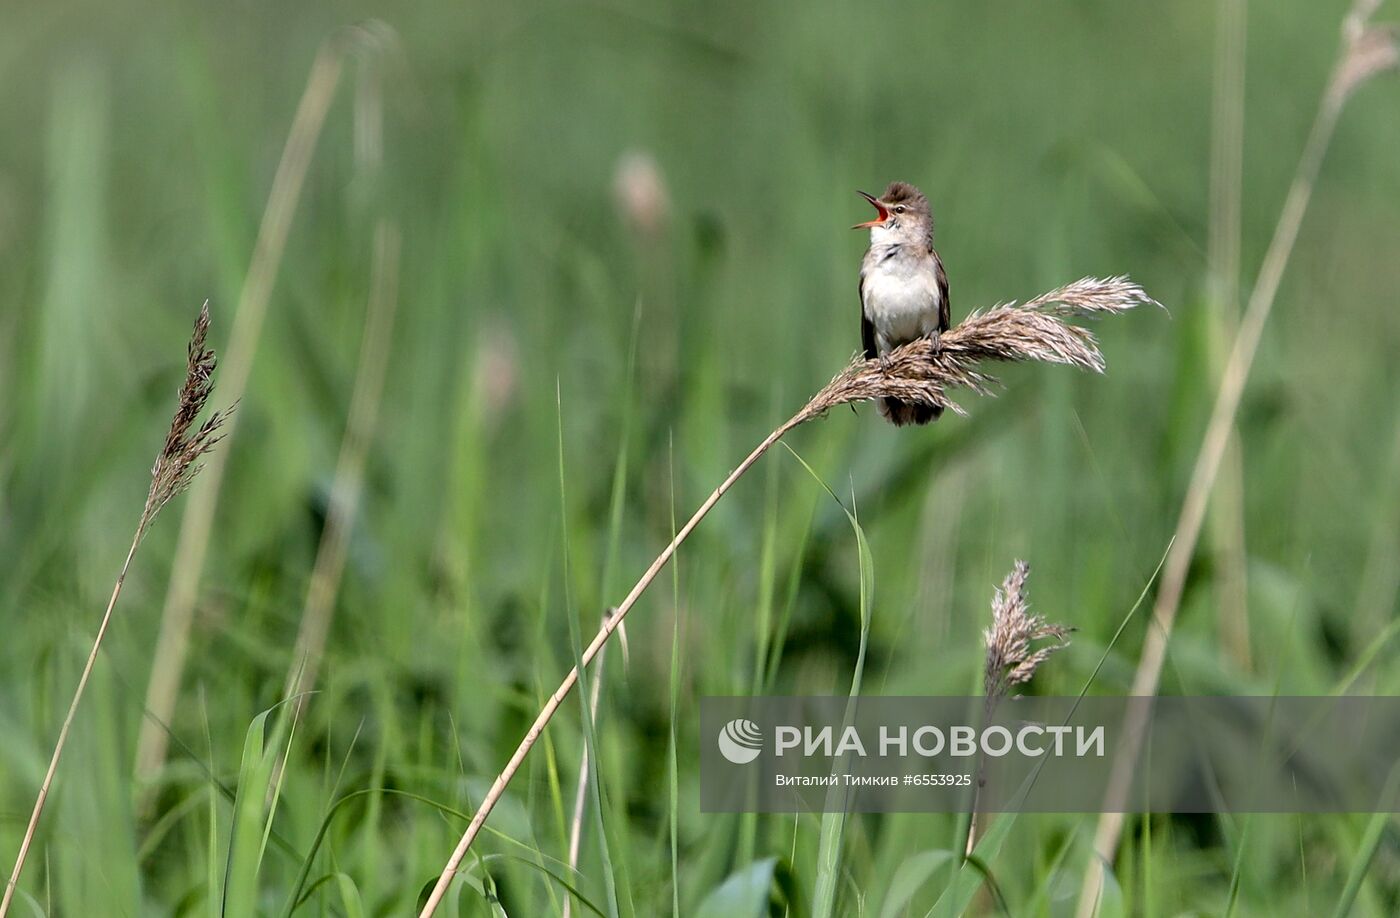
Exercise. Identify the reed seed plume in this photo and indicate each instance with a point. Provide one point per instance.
(1017, 640)
(1017, 644)
(926, 370)
(922, 371)
(175, 467)
(186, 443)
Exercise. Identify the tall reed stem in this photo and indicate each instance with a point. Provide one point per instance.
(1365, 52)
(43, 796)
(348, 481)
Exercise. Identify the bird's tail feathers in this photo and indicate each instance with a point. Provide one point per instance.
(900, 413)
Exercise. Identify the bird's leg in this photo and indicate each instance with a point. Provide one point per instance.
(884, 362)
(935, 337)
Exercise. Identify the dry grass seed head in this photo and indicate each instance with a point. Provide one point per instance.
(1016, 641)
(924, 371)
(187, 440)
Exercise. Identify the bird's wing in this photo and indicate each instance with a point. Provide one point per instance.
(867, 328)
(944, 309)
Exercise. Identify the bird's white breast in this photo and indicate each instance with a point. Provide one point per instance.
(901, 299)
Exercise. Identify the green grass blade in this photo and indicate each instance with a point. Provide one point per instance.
(349, 896)
(744, 894)
(1370, 846)
(246, 837)
(582, 693)
(974, 872)
(833, 822)
(912, 874)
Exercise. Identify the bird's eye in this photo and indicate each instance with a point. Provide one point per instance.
(899, 208)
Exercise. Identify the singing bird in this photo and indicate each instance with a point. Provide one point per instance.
(903, 290)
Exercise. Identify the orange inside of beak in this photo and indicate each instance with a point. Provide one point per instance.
(884, 214)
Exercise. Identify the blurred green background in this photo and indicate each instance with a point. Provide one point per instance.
(624, 259)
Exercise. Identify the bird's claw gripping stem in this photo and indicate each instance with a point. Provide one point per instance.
(935, 337)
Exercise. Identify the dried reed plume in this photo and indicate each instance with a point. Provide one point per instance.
(185, 443)
(923, 371)
(175, 467)
(1017, 644)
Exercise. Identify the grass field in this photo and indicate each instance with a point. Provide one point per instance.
(566, 378)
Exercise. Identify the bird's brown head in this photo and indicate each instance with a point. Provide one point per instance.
(902, 209)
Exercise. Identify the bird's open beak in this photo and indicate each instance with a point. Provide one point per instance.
(884, 214)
